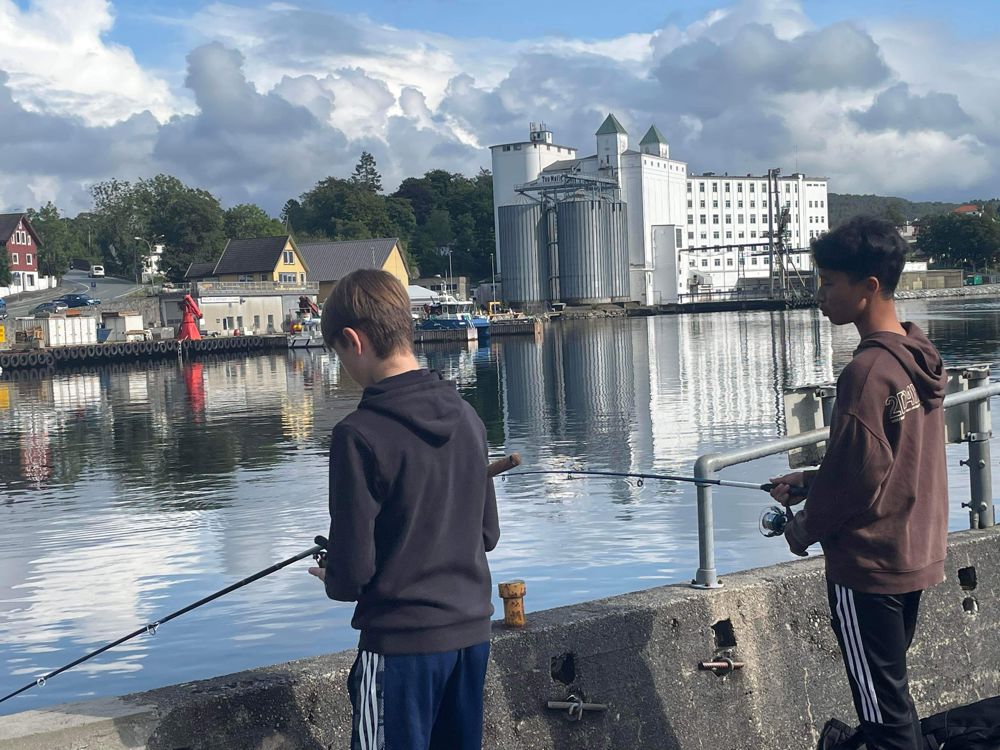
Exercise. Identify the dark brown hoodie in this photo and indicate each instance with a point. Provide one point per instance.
(878, 504)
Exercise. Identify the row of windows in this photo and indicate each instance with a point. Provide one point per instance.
(819, 204)
(14, 259)
(548, 147)
(21, 237)
(790, 187)
(798, 259)
(703, 219)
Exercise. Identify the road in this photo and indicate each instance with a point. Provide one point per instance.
(105, 289)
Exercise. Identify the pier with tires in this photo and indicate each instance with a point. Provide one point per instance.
(121, 351)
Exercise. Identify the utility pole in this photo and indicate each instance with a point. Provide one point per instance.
(770, 231)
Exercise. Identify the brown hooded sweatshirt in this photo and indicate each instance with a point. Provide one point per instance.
(878, 504)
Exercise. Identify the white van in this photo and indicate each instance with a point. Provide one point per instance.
(96, 272)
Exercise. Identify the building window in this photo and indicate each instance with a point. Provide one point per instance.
(27, 258)
(753, 204)
(753, 261)
(13, 259)
(239, 322)
(270, 324)
(245, 277)
(689, 187)
(753, 233)
(729, 204)
(704, 262)
(691, 263)
(740, 235)
(701, 204)
(506, 148)
(703, 235)
(690, 204)
(715, 204)
(701, 218)
(729, 261)
(729, 218)
(701, 187)
(739, 218)
(31, 279)
(715, 187)
(289, 257)
(739, 187)
(729, 235)
(715, 218)
(753, 218)
(256, 322)
(265, 277)
(751, 187)
(302, 279)
(739, 204)
(690, 235)
(727, 187)
(287, 278)
(718, 262)
(715, 235)
(810, 204)
(690, 218)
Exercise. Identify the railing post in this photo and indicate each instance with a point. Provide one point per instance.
(981, 514)
(706, 577)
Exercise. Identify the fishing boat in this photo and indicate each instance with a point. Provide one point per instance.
(450, 313)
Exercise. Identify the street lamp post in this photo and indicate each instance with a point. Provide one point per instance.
(149, 245)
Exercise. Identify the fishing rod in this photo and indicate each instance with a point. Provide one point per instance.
(318, 551)
(569, 473)
(314, 551)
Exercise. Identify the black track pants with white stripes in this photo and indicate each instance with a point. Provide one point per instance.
(874, 632)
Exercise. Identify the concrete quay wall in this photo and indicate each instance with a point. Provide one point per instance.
(637, 653)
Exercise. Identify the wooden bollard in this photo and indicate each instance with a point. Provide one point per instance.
(512, 593)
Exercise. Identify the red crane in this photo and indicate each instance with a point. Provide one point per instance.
(307, 305)
(189, 311)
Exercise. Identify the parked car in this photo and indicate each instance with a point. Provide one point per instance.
(49, 307)
(77, 300)
(97, 272)
(3, 308)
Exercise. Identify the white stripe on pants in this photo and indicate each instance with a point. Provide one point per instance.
(857, 662)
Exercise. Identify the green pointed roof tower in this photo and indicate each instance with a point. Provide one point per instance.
(611, 126)
(654, 143)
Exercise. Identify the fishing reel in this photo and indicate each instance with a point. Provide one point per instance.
(320, 557)
(773, 520)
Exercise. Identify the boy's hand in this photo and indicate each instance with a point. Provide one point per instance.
(320, 573)
(780, 491)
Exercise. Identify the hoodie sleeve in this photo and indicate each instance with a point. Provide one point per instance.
(847, 483)
(350, 562)
(491, 522)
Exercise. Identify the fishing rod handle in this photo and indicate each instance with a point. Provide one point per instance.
(503, 464)
(793, 491)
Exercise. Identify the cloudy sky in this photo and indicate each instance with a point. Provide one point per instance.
(258, 101)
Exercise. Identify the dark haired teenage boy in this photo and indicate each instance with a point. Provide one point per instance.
(878, 504)
(413, 515)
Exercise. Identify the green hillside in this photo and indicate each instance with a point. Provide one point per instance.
(843, 206)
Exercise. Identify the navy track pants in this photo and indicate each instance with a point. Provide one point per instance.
(419, 701)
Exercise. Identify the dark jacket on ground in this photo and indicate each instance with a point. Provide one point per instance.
(413, 515)
(879, 502)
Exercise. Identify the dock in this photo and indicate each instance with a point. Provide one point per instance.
(82, 354)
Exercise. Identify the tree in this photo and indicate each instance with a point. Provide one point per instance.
(60, 244)
(5, 275)
(190, 221)
(970, 242)
(247, 220)
(366, 174)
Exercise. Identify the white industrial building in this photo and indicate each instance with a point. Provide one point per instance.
(560, 237)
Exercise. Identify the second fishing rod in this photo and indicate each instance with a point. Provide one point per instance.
(795, 492)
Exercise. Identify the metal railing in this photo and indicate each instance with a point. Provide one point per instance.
(980, 504)
(203, 288)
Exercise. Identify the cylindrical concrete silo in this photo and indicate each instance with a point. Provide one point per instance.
(583, 262)
(523, 255)
(616, 244)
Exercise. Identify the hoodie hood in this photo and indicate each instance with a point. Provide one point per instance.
(420, 399)
(918, 357)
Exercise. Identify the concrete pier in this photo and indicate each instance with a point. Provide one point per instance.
(638, 654)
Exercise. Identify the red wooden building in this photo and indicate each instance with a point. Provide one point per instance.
(21, 243)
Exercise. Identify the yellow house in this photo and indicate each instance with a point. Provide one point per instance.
(329, 262)
(274, 259)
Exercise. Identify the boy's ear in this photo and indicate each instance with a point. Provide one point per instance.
(353, 340)
(873, 284)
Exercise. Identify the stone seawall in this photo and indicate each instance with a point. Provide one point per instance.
(637, 653)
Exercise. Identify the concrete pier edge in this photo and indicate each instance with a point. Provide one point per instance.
(637, 653)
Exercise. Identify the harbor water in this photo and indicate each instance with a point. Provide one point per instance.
(127, 492)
